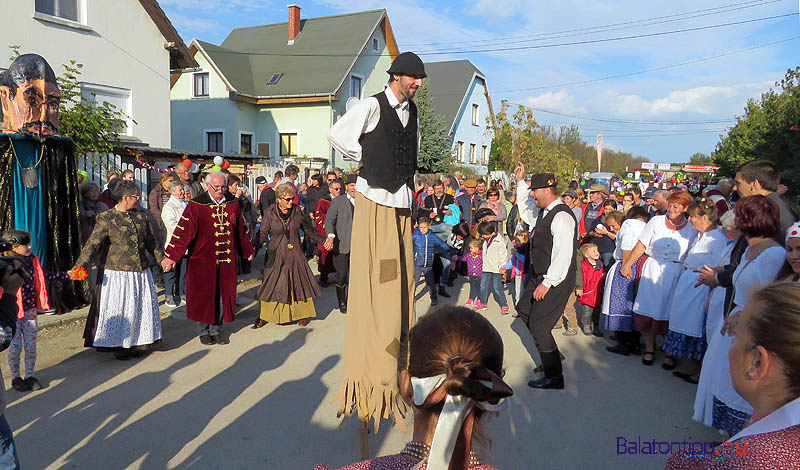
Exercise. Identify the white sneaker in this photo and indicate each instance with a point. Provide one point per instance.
(170, 303)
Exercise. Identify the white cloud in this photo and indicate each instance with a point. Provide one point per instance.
(698, 100)
(495, 11)
(183, 23)
(219, 6)
(560, 101)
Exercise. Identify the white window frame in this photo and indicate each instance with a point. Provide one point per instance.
(205, 139)
(252, 142)
(376, 44)
(484, 154)
(476, 114)
(269, 154)
(360, 77)
(278, 142)
(112, 90)
(198, 97)
(80, 24)
(473, 152)
(460, 151)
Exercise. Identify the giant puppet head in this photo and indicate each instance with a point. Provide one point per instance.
(29, 97)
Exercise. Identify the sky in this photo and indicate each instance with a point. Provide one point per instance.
(660, 79)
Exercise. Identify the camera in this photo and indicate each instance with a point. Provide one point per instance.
(10, 265)
(7, 243)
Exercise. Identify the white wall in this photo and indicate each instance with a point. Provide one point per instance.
(119, 46)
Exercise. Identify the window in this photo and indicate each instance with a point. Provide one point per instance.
(460, 151)
(273, 78)
(288, 144)
(119, 98)
(472, 154)
(476, 111)
(246, 143)
(485, 155)
(355, 86)
(264, 149)
(67, 9)
(214, 141)
(200, 85)
(375, 44)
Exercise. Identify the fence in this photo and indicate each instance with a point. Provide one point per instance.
(97, 165)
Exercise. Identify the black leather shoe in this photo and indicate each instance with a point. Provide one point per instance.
(219, 339)
(259, 323)
(443, 292)
(206, 339)
(548, 383)
(343, 308)
(618, 349)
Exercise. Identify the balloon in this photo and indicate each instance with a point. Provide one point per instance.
(225, 165)
(218, 160)
(187, 162)
(194, 168)
(215, 168)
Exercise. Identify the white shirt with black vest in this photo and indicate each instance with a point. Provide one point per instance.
(344, 135)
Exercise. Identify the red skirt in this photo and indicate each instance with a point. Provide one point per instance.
(648, 325)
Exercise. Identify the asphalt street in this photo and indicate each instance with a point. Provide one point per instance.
(265, 401)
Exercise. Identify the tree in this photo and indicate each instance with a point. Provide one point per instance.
(700, 158)
(769, 129)
(435, 152)
(93, 127)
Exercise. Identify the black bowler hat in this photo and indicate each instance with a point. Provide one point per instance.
(543, 180)
(409, 64)
(350, 179)
(261, 180)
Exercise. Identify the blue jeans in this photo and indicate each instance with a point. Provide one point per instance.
(447, 260)
(173, 290)
(475, 287)
(8, 451)
(496, 281)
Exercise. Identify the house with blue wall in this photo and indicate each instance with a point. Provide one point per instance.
(460, 94)
(275, 90)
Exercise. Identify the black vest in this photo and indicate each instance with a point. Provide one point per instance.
(542, 241)
(389, 152)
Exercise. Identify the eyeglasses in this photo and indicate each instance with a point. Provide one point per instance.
(133, 196)
(336, 189)
(288, 199)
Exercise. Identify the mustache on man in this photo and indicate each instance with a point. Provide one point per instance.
(38, 127)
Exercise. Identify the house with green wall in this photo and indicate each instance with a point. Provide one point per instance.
(275, 90)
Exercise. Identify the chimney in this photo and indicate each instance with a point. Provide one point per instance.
(294, 22)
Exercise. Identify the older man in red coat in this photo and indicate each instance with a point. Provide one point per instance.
(213, 230)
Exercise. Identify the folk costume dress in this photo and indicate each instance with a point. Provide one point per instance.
(666, 249)
(288, 288)
(687, 311)
(214, 233)
(731, 412)
(620, 292)
(124, 312)
(325, 265)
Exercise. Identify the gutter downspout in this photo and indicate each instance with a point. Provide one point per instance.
(330, 147)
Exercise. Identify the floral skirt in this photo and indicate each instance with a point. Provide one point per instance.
(681, 345)
(728, 419)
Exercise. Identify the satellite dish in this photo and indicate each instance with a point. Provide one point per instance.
(351, 102)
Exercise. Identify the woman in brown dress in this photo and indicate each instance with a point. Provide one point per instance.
(288, 288)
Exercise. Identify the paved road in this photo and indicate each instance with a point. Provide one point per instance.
(264, 402)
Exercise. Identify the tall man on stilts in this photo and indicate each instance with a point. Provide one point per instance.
(382, 134)
(552, 268)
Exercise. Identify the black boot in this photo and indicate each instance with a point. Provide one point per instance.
(554, 377)
(323, 280)
(443, 292)
(341, 295)
(622, 344)
(434, 296)
(586, 321)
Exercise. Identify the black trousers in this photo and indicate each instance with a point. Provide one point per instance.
(342, 264)
(541, 316)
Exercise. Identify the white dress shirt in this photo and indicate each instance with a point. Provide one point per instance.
(784, 417)
(562, 229)
(362, 119)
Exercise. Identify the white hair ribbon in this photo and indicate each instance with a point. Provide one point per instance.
(454, 411)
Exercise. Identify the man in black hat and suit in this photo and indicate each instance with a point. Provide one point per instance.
(552, 268)
(382, 134)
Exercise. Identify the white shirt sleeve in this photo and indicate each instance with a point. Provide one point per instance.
(649, 230)
(526, 204)
(563, 230)
(348, 129)
(626, 236)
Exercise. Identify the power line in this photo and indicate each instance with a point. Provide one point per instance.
(531, 47)
(623, 121)
(607, 28)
